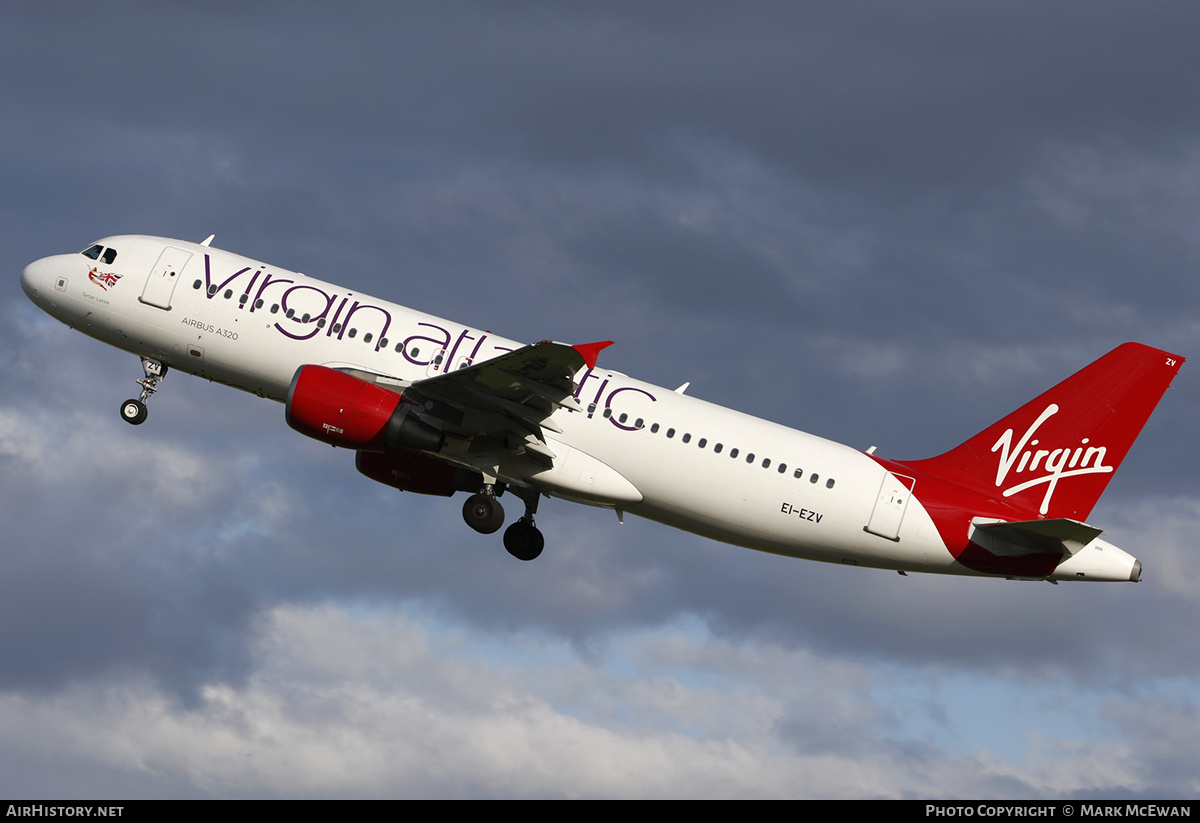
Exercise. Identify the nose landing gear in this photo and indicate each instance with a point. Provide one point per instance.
(134, 411)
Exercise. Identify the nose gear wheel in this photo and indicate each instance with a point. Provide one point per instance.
(134, 411)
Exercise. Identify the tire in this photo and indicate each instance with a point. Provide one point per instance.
(524, 541)
(134, 412)
(483, 513)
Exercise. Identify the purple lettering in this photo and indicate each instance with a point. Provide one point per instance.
(387, 320)
(596, 399)
(614, 393)
(318, 309)
(464, 336)
(587, 375)
(437, 344)
(249, 286)
(333, 321)
(478, 343)
(209, 290)
(267, 281)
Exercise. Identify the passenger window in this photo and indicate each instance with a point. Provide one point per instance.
(243, 299)
(382, 340)
(687, 438)
(274, 308)
(799, 473)
(258, 304)
(197, 285)
(639, 424)
(702, 443)
(623, 417)
(654, 429)
(290, 313)
(829, 483)
(400, 347)
(813, 479)
(367, 337)
(733, 452)
(766, 462)
(608, 412)
(750, 457)
(670, 432)
(782, 468)
(212, 289)
(337, 327)
(305, 318)
(717, 448)
(320, 322)
(229, 293)
(351, 333)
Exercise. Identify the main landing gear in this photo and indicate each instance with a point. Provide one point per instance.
(483, 511)
(134, 411)
(484, 514)
(523, 540)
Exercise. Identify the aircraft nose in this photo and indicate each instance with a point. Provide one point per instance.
(31, 278)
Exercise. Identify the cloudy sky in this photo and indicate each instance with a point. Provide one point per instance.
(887, 224)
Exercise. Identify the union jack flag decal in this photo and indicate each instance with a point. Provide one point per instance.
(102, 279)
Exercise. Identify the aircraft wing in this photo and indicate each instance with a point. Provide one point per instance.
(507, 400)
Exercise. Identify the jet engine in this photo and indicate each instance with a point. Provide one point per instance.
(341, 410)
(411, 471)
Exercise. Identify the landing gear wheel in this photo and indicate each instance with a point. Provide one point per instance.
(134, 412)
(483, 513)
(523, 540)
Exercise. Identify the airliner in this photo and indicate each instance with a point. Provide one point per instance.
(434, 407)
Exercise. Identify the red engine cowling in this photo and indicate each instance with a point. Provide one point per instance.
(345, 411)
(411, 471)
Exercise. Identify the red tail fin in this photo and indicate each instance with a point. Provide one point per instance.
(1055, 455)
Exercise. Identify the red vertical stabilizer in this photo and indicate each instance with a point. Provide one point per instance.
(1054, 456)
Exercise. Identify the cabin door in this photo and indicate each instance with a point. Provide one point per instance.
(163, 277)
(894, 494)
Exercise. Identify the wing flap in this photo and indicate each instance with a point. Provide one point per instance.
(511, 396)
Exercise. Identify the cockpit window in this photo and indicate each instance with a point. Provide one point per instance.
(98, 252)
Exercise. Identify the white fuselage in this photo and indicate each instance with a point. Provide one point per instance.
(636, 447)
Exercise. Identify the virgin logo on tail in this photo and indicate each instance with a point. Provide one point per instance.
(1054, 464)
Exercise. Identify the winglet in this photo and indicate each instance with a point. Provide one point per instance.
(591, 351)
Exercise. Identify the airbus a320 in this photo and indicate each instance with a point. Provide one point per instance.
(434, 407)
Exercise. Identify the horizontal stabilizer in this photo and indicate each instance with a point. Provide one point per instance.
(1055, 535)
